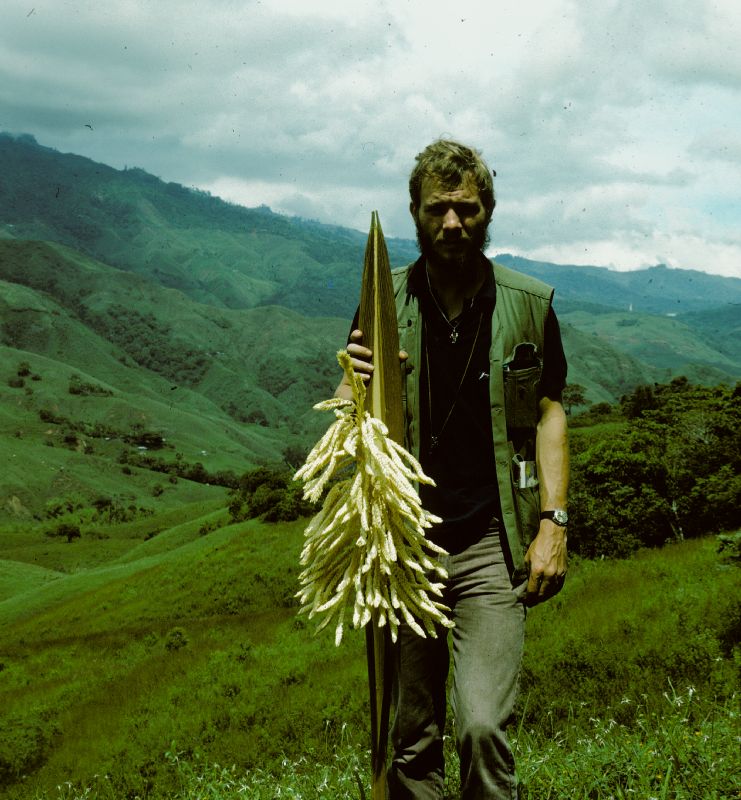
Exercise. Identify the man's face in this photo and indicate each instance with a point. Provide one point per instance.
(451, 223)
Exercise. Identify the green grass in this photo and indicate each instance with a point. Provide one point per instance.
(660, 341)
(681, 746)
(17, 578)
(39, 465)
(189, 644)
(180, 637)
(684, 749)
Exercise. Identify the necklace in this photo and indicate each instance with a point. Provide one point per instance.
(453, 325)
(435, 438)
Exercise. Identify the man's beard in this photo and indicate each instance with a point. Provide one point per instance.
(477, 243)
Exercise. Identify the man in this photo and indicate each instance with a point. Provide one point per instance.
(484, 370)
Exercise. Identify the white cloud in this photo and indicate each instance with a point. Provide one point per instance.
(612, 126)
(638, 252)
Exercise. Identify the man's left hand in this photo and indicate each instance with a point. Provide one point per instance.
(546, 563)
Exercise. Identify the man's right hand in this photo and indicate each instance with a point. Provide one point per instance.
(361, 359)
(361, 362)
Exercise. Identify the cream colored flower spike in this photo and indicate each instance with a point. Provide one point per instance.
(366, 548)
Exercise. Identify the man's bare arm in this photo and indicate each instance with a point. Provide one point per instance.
(546, 556)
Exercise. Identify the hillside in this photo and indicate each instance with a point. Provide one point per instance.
(157, 638)
(247, 361)
(245, 307)
(108, 354)
(656, 290)
(214, 252)
(659, 346)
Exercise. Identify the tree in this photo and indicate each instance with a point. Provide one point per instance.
(619, 497)
(674, 471)
(641, 400)
(294, 455)
(67, 529)
(574, 395)
(271, 494)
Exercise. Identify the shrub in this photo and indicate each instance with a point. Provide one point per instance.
(176, 639)
(673, 472)
(271, 494)
(46, 415)
(68, 530)
(78, 386)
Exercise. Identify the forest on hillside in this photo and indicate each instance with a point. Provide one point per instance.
(662, 465)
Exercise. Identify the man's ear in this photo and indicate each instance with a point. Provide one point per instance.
(413, 211)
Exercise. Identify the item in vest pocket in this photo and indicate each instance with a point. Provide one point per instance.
(527, 473)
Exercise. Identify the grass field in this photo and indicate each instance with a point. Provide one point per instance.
(161, 639)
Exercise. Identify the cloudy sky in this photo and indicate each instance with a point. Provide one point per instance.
(614, 126)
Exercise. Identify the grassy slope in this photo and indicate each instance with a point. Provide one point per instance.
(39, 466)
(250, 354)
(666, 344)
(604, 370)
(93, 661)
(262, 364)
(112, 652)
(721, 327)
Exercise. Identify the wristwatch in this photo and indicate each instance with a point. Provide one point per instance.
(558, 515)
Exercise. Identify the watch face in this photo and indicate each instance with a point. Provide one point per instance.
(560, 516)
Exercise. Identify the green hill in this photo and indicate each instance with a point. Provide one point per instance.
(664, 346)
(109, 354)
(160, 639)
(214, 252)
(97, 659)
(238, 358)
(150, 309)
(719, 326)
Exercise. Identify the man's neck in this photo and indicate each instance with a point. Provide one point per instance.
(453, 286)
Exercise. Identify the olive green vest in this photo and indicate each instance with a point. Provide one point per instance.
(519, 316)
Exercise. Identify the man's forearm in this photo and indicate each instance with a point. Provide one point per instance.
(552, 454)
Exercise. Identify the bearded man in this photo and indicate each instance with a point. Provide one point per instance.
(483, 372)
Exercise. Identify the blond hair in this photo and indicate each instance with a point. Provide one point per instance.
(450, 162)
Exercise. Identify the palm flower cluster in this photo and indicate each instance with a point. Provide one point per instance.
(366, 547)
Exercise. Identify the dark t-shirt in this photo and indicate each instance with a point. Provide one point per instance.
(456, 446)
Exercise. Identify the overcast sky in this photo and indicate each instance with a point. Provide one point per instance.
(614, 126)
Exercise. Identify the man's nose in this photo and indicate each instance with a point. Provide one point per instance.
(451, 221)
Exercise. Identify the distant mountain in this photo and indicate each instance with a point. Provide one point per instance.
(218, 299)
(656, 290)
(261, 366)
(214, 252)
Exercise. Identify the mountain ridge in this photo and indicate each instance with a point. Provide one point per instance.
(112, 207)
(163, 295)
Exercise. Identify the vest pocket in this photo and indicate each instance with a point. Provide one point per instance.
(522, 371)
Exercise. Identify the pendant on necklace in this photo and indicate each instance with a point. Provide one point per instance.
(454, 336)
(433, 442)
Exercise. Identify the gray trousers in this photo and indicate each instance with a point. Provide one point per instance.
(488, 638)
